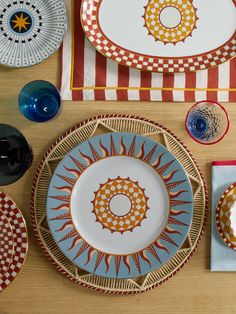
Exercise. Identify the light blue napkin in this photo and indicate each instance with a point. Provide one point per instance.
(222, 257)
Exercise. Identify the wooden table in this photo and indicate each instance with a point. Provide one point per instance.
(39, 288)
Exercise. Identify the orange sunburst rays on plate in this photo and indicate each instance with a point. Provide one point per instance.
(158, 166)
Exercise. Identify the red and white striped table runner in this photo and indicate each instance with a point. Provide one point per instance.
(87, 75)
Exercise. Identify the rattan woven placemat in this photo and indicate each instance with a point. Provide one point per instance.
(81, 132)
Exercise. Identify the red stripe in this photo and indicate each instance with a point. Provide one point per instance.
(213, 82)
(79, 42)
(77, 95)
(146, 81)
(168, 82)
(224, 163)
(100, 81)
(232, 95)
(123, 81)
(191, 81)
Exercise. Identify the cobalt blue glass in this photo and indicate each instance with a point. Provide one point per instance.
(15, 154)
(207, 122)
(39, 101)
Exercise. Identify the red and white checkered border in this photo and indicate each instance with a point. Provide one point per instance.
(20, 237)
(6, 244)
(90, 23)
(218, 211)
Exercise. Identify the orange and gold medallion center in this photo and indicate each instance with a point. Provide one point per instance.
(120, 205)
(170, 21)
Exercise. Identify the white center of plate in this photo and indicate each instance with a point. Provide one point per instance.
(170, 17)
(90, 182)
(120, 205)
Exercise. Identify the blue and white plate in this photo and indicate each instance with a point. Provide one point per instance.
(119, 205)
(30, 31)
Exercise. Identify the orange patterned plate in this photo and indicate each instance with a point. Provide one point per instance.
(165, 36)
(119, 205)
(226, 216)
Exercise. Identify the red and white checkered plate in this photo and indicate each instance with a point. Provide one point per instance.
(6, 244)
(165, 36)
(20, 239)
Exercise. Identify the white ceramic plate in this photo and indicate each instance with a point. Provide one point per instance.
(162, 35)
(226, 216)
(30, 31)
(119, 205)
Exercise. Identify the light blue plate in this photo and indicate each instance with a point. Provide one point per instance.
(119, 205)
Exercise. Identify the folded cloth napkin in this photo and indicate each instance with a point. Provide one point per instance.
(223, 258)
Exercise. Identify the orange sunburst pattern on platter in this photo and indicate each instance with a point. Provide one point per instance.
(153, 255)
(170, 21)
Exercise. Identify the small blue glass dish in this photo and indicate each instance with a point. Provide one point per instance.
(39, 101)
(207, 122)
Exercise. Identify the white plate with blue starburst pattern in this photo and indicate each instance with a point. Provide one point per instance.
(30, 31)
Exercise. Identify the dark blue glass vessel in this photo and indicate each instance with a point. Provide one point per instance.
(15, 154)
(39, 101)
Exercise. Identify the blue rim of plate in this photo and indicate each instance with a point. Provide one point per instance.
(152, 256)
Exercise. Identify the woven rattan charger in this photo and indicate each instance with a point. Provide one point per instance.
(82, 132)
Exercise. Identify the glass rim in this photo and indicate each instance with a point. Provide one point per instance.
(38, 81)
(218, 105)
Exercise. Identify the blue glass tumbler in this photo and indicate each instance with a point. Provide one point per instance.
(39, 101)
(207, 122)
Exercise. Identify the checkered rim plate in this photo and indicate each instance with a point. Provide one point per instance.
(91, 25)
(6, 244)
(225, 237)
(19, 230)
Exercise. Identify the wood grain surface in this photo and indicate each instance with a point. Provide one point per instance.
(39, 288)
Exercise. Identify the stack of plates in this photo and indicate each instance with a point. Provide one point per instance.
(118, 212)
(13, 241)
